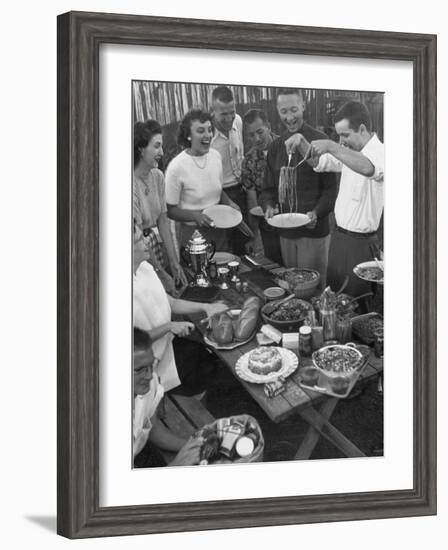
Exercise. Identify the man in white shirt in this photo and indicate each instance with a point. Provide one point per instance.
(148, 393)
(228, 141)
(359, 157)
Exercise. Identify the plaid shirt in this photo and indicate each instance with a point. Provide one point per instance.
(253, 168)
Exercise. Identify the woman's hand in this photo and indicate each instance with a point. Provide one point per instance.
(213, 309)
(202, 220)
(180, 278)
(190, 454)
(181, 328)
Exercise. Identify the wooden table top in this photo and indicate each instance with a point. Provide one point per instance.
(294, 397)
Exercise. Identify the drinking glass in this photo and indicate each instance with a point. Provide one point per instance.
(223, 273)
(234, 267)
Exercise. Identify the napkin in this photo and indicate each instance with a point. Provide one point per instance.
(272, 389)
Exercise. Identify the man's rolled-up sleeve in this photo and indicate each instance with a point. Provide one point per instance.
(376, 157)
(328, 163)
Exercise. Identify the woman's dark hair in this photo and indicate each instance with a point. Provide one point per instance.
(185, 125)
(143, 134)
(142, 340)
(356, 113)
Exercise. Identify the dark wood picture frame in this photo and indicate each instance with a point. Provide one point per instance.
(80, 36)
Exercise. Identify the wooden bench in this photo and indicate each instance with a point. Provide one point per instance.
(184, 416)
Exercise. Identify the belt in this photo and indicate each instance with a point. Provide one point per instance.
(355, 234)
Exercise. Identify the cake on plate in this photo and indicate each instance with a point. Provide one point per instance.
(265, 360)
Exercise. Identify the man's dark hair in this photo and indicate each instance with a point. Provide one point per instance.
(356, 113)
(253, 114)
(142, 340)
(222, 93)
(185, 126)
(143, 134)
(290, 91)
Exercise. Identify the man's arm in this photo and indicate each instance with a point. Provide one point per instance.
(164, 438)
(354, 160)
(328, 196)
(269, 185)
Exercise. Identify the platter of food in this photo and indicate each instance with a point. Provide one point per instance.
(340, 380)
(289, 220)
(364, 326)
(224, 216)
(370, 271)
(338, 360)
(235, 327)
(265, 364)
(289, 314)
(302, 281)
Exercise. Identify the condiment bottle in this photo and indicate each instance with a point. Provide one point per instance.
(328, 314)
(305, 345)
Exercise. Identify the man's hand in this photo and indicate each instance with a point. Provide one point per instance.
(202, 220)
(293, 143)
(190, 454)
(313, 217)
(181, 328)
(269, 212)
(321, 146)
(213, 309)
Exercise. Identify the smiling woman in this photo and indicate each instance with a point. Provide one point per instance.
(150, 203)
(194, 180)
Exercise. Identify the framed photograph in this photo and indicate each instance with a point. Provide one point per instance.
(148, 108)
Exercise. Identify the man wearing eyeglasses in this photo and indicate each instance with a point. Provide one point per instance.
(149, 431)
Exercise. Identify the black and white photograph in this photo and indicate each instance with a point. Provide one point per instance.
(258, 273)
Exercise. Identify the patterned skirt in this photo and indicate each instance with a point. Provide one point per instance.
(155, 245)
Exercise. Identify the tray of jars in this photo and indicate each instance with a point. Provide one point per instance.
(335, 369)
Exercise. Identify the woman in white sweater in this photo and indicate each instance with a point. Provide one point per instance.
(194, 181)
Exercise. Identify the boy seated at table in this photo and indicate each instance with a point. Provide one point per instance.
(150, 434)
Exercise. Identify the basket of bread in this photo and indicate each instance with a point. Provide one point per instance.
(237, 439)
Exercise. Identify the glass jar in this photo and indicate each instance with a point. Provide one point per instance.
(305, 344)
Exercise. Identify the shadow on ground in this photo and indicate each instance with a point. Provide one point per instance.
(46, 522)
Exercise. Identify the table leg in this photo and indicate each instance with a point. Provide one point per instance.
(312, 436)
(332, 434)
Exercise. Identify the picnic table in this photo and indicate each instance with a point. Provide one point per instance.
(314, 407)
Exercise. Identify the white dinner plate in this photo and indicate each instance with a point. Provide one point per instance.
(222, 258)
(357, 271)
(257, 211)
(290, 363)
(223, 216)
(288, 221)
